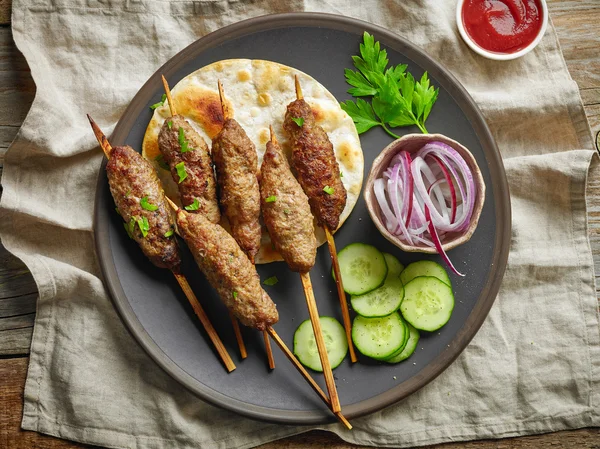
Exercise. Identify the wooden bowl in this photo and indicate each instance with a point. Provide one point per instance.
(413, 143)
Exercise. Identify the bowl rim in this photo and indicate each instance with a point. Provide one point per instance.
(494, 55)
(393, 148)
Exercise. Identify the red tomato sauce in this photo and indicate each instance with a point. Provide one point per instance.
(502, 26)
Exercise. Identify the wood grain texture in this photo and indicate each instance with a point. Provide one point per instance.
(576, 22)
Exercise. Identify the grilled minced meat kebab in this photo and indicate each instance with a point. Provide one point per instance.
(188, 157)
(228, 270)
(286, 211)
(140, 200)
(315, 164)
(236, 163)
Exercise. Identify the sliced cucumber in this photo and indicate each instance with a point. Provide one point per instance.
(394, 266)
(379, 338)
(409, 348)
(362, 267)
(428, 303)
(380, 302)
(305, 346)
(424, 268)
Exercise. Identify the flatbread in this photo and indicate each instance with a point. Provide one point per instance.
(257, 94)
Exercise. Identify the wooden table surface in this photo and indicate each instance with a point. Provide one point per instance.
(578, 26)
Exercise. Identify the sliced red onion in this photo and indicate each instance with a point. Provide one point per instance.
(414, 203)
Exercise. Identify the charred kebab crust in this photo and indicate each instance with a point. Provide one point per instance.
(186, 152)
(140, 201)
(236, 162)
(315, 164)
(228, 270)
(286, 211)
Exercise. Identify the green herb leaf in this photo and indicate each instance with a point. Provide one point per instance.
(170, 124)
(287, 211)
(129, 227)
(143, 225)
(194, 206)
(160, 103)
(398, 99)
(128, 194)
(298, 121)
(271, 199)
(146, 205)
(169, 233)
(328, 190)
(234, 295)
(271, 281)
(361, 113)
(181, 171)
(341, 174)
(182, 142)
(161, 162)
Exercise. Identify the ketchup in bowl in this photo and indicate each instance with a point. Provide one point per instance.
(502, 26)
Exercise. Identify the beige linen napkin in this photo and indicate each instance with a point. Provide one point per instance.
(533, 367)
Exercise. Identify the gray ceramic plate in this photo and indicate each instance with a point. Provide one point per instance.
(157, 313)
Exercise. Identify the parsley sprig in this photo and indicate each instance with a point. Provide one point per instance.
(398, 99)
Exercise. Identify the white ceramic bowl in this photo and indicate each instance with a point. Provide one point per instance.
(495, 55)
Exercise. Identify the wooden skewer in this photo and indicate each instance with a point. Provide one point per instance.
(234, 323)
(292, 358)
(336, 267)
(238, 335)
(341, 293)
(201, 314)
(185, 286)
(169, 97)
(227, 115)
(316, 325)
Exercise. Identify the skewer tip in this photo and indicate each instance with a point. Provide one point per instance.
(172, 204)
(224, 107)
(273, 136)
(298, 88)
(100, 137)
(169, 97)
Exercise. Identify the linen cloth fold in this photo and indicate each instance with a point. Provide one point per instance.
(533, 367)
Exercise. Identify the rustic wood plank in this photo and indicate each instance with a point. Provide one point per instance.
(5, 6)
(17, 322)
(13, 372)
(15, 341)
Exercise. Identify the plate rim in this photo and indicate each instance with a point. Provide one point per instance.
(500, 193)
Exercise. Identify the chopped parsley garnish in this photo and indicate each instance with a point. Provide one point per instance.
(328, 190)
(181, 171)
(170, 124)
(298, 121)
(287, 211)
(146, 205)
(397, 98)
(129, 227)
(117, 210)
(143, 225)
(128, 194)
(341, 174)
(161, 162)
(271, 281)
(182, 142)
(169, 233)
(235, 295)
(160, 103)
(271, 199)
(194, 206)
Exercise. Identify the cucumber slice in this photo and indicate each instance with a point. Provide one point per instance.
(380, 302)
(379, 338)
(424, 268)
(394, 266)
(409, 348)
(362, 267)
(428, 303)
(305, 346)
